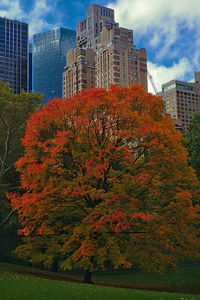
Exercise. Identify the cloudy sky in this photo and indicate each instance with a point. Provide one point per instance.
(169, 30)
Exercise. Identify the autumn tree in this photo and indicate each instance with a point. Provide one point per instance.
(14, 111)
(193, 143)
(106, 182)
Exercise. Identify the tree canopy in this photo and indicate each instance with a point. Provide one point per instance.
(193, 144)
(105, 182)
(14, 111)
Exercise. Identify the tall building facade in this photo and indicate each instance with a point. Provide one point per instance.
(30, 67)
(88, 30)
(116, 59)
(49, 53)
(182, 100)
(79, 73)
(14, 54)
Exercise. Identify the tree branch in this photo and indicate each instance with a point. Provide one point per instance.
(6, 219)
(6, 147)
(127, 232)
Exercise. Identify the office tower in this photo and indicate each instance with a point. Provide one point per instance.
(14, 54)
(79, 73)
(49, 52)
(30, 67)
(182, 100)
(118, 61)
(88, 30)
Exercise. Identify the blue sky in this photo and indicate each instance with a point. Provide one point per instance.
(169, 30)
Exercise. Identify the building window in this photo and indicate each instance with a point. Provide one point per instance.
(90, 23)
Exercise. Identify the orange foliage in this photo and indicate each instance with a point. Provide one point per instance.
(105, 177)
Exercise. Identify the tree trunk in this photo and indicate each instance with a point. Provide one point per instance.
(55, 265)
(88, 277)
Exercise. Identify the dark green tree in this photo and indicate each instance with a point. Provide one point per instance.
(14, 111)
(193, 143)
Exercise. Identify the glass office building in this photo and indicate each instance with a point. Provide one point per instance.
(30, 67)
(49, 55)
(14, 54)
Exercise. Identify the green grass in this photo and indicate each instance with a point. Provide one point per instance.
(15, 286)
(184, 280)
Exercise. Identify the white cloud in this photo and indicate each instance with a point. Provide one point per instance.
(170, 31)
(142, 14)
(36, 18)
(162, 74)
(11, 9)
(156, 39)
(160, 21)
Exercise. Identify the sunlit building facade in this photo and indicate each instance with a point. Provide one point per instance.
(79, 73)
(182, 100)
(88, 30)
(116, 59)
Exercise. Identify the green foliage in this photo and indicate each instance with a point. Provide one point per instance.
(193, 143)
(14, 111)
(9, 240)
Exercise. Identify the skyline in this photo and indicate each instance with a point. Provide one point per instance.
(168, 30)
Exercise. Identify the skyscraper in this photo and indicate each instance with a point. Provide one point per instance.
(14, 54)
(182, 100)
(49, 53)
(88, 30)
(79, 73)
(116, 59)
(30, 67)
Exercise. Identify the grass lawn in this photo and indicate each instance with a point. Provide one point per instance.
(15, 286)
(184, 280)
